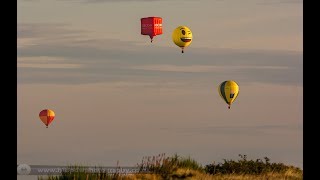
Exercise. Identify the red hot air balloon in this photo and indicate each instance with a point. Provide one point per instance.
(151, 26)
(46, 116)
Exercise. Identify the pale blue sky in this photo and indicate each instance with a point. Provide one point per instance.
(118, 97)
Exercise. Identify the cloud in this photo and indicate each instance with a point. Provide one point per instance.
(106, 1)
(46, 66)
(280, 2)
(84, 57)
(56, 38)
(43, 30)
(201, 68)
(254, 130)
(44, 62)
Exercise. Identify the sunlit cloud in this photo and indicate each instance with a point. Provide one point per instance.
(238, 129)
(91, 58)
(199, 68)
(133, 84)
(51, 66)
(25, 42)
(33, 36)
(106, 1)
(45, 62)
(40, 59)
(280, 1)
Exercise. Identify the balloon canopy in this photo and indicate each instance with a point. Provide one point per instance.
(182, 37)
(228, 91)
(151, 26)
(46, 116)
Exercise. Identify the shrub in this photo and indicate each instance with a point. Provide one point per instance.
(244, 166)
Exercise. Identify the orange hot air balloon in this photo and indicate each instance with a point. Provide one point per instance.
(46, 116)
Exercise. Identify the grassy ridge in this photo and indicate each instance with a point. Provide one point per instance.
(177, 167)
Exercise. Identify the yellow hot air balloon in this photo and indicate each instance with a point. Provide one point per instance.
(46, 116)
(229, 91)
(182, 37)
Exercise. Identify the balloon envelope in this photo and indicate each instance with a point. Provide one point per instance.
(151, 26)
(46, 116)
(182, 36)
(228, 91)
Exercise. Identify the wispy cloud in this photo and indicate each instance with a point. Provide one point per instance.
(44, 30)
(38, 34)
(102, 60)
(280, 2)
(201, 68)
(257, 129)
(45, 62)
(106, 1)
(40, 59)
(50, 66)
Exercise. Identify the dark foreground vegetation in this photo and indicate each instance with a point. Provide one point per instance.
(177, 167)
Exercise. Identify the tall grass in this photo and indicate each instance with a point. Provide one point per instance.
(166, 166)
(178, 167)
(78, 172)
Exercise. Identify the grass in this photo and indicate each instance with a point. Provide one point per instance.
(176, 167)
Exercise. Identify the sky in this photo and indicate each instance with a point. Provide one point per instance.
(118, 97)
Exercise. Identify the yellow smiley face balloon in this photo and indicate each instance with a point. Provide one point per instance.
(182, 36)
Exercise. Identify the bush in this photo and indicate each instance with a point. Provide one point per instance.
(244, 166)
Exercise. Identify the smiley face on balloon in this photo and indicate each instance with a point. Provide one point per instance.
(182, 37)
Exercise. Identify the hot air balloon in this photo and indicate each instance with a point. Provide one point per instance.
(151, 26)
(182, 37)
(46, 116)
(229, 91)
